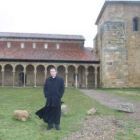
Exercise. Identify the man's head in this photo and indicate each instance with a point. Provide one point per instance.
(53, 72)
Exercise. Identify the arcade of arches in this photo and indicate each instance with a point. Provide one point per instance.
(34, 74)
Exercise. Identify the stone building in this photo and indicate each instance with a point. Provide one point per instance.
(118, 43)
(25, 60)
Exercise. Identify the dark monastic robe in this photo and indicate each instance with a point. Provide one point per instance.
(53, 91)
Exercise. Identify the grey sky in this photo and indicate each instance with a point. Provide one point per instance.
(51, 17)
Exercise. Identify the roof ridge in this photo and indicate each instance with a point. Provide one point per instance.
(41, 35)
(124, 0)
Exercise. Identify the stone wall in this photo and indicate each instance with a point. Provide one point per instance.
(114, 55)
(119, 45)
(65, 45)
(8, 76)
(133, 43)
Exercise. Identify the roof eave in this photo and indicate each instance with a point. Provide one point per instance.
(101, 12)
(41, 36)
(8, 37)
(59, 61)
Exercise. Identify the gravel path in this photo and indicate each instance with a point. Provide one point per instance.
(112, 101)
(98, 128)
(105, 127)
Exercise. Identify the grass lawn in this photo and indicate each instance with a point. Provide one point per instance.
(129, 93)
(32, 99)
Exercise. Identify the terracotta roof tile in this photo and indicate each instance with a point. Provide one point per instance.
(46, 54)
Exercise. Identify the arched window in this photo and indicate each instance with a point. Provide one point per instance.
(135, 24)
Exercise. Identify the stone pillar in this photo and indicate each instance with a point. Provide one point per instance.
(100, 84)
(95, 73)
(13, 78)
(35, 71)
(66, 74)
(2, 78)
(86, 78)
(76, 80)
(24, 77)
(45, 74)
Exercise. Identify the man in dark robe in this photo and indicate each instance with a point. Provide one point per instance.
(53, 92)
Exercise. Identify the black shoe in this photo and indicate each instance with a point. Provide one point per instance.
(49, 127)
(57, 127)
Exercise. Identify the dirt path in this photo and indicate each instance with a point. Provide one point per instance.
(112, 101)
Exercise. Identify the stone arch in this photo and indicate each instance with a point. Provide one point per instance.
(8, 75)
(5, 65)
(19, 75)
(91, 65)
(30, 75)
(72, 65)
(98, 76)
(0, 75)
(81, 76)
(40, 75)
(48, 69)
(80, 66)
(71, 75)
(41, 65)
(61, 72)
(91, 76)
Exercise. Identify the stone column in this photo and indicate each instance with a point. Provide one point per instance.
(100, 84)
(13, 78)
(95, 73)
(76, 81)
(86, 78)
(35, 71)
(24, 77)
(66, 74)
(45, 74)
(2, 78)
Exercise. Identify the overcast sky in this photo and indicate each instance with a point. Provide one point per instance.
(51, 17)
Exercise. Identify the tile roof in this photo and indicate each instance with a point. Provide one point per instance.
(41, 36)
(124, 0)
(41, 54)
(114, 1)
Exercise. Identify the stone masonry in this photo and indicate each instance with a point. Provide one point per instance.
(114, 55)
(118, 43)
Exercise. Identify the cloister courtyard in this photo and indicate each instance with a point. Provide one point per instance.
(106, 123)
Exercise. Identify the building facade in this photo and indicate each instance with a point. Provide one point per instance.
(26, 58)
(118, 43)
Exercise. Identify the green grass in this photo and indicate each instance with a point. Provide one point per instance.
(32, 99)
(129, 135)
(132, 94)
(129, 93)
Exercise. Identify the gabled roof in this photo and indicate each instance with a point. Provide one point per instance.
(115, 1)
(41, 36)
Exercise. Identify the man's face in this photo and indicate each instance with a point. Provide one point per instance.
(53, 72)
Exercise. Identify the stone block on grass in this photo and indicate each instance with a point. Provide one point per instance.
(126, 107)
(91, 111)
(64, 110)
(21, 115)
